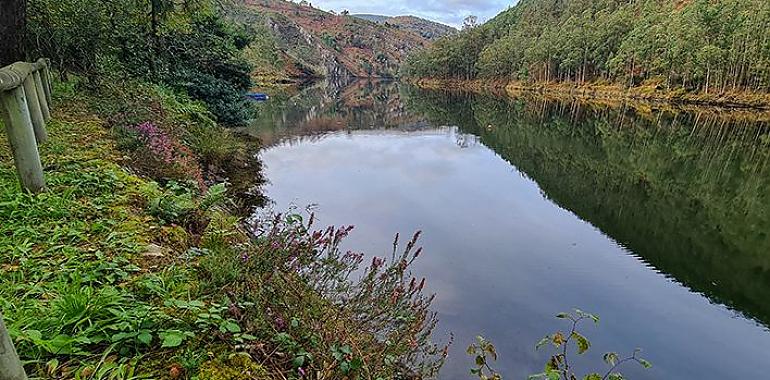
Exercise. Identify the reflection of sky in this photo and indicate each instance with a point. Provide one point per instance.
(503, 259)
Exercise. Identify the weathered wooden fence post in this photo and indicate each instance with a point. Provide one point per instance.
(41, 97)
(33, 102)
(46, 78)
(10, 365)
(22, 114)
(21, 136)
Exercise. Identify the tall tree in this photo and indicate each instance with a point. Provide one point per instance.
(13, 25)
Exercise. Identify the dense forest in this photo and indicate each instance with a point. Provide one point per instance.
(702, 45)
(187, 46)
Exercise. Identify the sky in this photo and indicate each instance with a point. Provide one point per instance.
(450, 12)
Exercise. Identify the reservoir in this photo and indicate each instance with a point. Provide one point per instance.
(656, 218)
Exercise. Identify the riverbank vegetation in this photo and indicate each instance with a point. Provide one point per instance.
(110, 275)
(693, 51)
(138, 261)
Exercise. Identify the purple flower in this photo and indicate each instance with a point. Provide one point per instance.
(280, 323)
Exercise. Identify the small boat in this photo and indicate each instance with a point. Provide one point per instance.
(258, 96)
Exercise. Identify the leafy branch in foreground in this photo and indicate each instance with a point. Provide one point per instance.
(559, 367)
(483, 350)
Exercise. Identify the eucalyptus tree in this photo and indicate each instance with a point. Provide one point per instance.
(12, 28)
(702, 45)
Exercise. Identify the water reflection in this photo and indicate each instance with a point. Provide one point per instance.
(687, 192)
(331, 106)
(656, 219)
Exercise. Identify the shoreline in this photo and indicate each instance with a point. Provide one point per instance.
(738, 100)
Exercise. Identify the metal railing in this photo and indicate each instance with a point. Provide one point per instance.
(25, 101)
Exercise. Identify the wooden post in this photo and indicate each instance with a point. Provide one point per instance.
(21, 136)
(10, 365)
(41, 96)
(46, 78)
(34, 109)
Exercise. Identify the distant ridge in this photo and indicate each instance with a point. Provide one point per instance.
(373, 18)
(297, 40)
(427, 29)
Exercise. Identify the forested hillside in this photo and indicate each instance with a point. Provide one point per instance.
(702, 45)
(310, 42)
(427, 29)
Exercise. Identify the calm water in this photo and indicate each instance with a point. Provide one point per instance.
(655, 220)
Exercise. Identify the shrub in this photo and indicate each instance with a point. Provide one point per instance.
(317, 316)
(205, 62)
(159, 154)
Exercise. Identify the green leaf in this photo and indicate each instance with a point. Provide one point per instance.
(541, 343)
(298, 361)
(553, 374)
(582, 343)
(172, 338)
(611, 358)
(34, 335)
(491, 350)
(480, 360)
(644, 363)
(231, 326)
(562, 315)
(615, 376)
(593, 376)
(356, 364)
(145, 337)
(119, 337)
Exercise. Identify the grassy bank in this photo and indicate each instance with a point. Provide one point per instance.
(650, 93)
(134, 264)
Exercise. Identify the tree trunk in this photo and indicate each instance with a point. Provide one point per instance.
(13, 26)
(155, 38)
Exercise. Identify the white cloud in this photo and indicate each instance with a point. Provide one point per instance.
(450, 12)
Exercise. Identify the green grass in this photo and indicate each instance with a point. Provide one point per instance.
(85, 289)
(111, 275)
(68, 252)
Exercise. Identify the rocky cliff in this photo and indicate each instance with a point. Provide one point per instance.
(315, 43)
